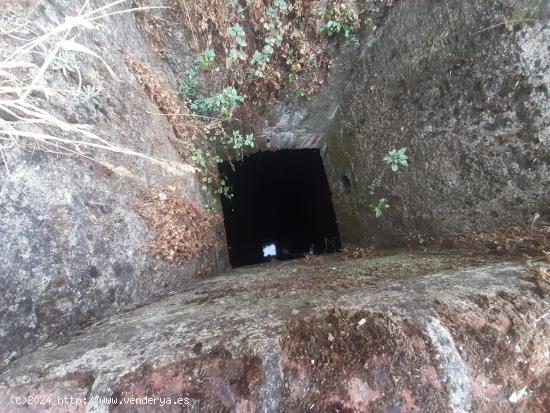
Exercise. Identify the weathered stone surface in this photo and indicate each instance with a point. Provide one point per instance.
(464, 86)
(70, 240)
(397, 333)
(292, 123)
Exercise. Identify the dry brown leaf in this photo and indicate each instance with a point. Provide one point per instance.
(184, 230)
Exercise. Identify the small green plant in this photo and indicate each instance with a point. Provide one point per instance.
(202, 158)
(237, 32)
(202, 106)
(189, 85)
(190, 82)
(224, 189)
(292, 77)
(342, 21)
(208, 59)
(89, 94)
(206, 159)
(371, 41)
(260, 61)
(232, 143)
(259, 58)
(295, 66)
(237, 51)
(237, 141)
(66, 63)
(240, 9)
(226, 101)
(197, 157)
(395, 158)
(375, 184)
(220, 104)
(281, 5)
(301, 92)
(380, 207)
(274, 26)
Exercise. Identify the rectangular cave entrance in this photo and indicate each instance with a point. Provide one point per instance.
(281, 207)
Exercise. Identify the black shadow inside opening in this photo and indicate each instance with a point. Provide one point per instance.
(280, 198)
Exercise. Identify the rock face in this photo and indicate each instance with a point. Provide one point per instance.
(396, 333)
(464, 86)
(71, 243)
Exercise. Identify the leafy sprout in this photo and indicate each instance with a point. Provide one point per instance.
(227, 100)
(271, 12)
(342, 22)
(236, 54)
(66, 63)
(189, 85)
(281, 4)
(89, 94)
(380, 207)
(208, 59)
(301, 92)
(395, 158)
(375, 184)
(220, 104)
(237, 32)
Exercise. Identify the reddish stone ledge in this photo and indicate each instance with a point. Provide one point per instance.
(406, 333)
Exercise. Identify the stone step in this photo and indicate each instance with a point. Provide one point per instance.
(408, 332)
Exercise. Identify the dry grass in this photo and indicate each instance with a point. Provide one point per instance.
(184, 229)
(24, 115)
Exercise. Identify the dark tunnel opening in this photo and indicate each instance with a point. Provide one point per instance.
(281, 207)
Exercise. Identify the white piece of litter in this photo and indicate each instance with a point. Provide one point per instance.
(361, 322)
(517, 395)
(270, 250)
